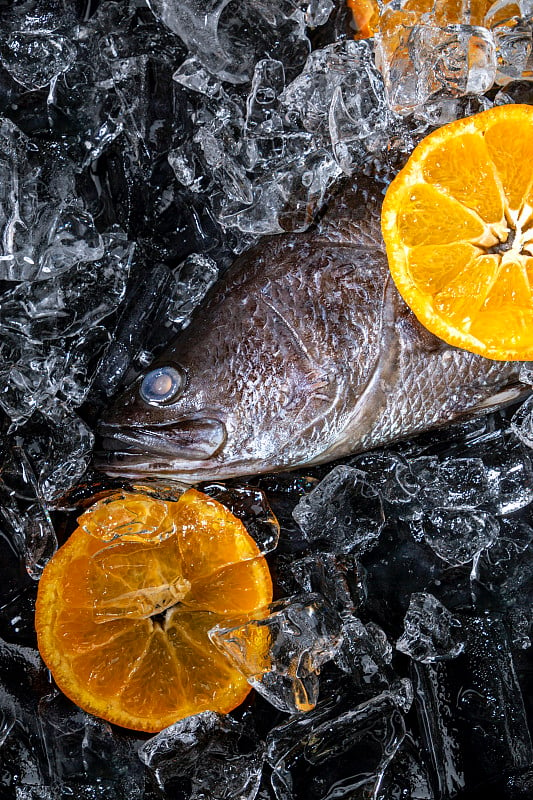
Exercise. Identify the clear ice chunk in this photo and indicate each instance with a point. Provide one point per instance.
(70, 303)
(196, 77)
(344, 752)
(78, 748)
(365, 653)
(300, 635)
(35, 59)
(344, 512)
(45, 231)
(489, 704)
(526, 370)
(229, 38)
(317, 12)
(407, 775)
(506, 567)
(193, 279)
(31, 527)
(458, 535)
(251, 506)
(69, 452)
(207, 749)
(522, 422)
(458, 58)
(396, 482)
(458, 482)
(144, 308)
(511, 475)
(262, 114)
(338, 578)
(359, 119)
(434, 693)
(430, 633)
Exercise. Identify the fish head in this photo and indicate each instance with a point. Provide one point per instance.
(216, 404)
(174, 419)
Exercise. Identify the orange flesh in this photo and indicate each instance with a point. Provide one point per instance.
(123, 624)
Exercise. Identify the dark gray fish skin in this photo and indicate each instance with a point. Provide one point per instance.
(303, 353)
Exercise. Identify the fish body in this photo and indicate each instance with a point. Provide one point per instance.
(304, 352)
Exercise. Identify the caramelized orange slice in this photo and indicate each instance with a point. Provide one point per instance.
(125, 606)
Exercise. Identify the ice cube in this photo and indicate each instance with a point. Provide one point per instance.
(407, 775)
(457, 535)
(300, 635)
(207, 749)
(506, 567)
(23, 681)
(366, 653)
(459, 59)
(338, 578)
(36, 58)
(144, 308)
(70, 448)
(228, 38)
(70, 303)
(317, 12)
(360, 122)
(78, 748)
(193, 279)
(262, 104)
(431, 633)
(459, 482)
(31, 527)
(434, 693)
(251, 506)
(339, 748)
(489, 703)
(344, 512)
(511, 474)
(522, 422)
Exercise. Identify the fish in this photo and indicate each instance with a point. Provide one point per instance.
(302, 353)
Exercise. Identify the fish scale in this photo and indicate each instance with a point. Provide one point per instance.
(304, 352)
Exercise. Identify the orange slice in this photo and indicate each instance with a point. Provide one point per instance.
(125, 606)
(458, 226)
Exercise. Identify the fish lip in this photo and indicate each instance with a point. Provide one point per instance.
(188, 439)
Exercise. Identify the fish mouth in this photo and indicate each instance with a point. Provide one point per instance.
(180, 446)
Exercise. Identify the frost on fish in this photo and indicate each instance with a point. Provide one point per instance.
(304, 352)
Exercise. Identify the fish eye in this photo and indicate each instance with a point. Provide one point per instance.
(162, 385)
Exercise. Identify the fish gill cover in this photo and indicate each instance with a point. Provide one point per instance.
(142, 147)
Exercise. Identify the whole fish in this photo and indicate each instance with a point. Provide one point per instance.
(302, 353)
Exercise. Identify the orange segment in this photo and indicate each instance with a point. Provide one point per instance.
(467, 290)
(510, 152)
(467, 174)
(427, 216)
(229, 591)
(221, 538)
(123, 621)
(458, 226)
(432, 266)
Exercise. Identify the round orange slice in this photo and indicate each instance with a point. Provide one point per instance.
(125, 606)
(458, 227)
